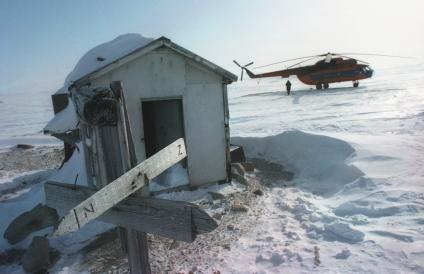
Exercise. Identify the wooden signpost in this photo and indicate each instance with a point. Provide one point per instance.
(121, 188)
(177, 220)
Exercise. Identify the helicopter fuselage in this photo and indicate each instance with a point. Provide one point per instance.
(338, 70)
(322, 72)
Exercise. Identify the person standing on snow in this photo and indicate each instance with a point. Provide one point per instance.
(288, 87)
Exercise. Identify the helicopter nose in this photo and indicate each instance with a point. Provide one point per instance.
(369, 72)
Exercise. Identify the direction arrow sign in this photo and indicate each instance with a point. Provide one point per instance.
(121, 188)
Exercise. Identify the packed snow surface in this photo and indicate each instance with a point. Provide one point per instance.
(174, 176)
(106, 54)
(22, 118)
(357, 199)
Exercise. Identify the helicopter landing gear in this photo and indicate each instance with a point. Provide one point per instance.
(318, 86)
(355, 83)
(326, 85)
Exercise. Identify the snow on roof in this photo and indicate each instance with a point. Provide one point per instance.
(105, 54)
(63, 121)
(121, 47)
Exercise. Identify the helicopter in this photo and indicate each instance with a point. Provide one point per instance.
(333, 68)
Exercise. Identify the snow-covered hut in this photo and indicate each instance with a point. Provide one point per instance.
(170, 93)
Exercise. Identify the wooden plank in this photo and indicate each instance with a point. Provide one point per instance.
(121, 188)
(177, 220)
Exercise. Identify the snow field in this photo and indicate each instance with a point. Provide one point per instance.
(356, 202)
(358, 191)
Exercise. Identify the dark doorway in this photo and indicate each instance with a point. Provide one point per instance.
(163, 123)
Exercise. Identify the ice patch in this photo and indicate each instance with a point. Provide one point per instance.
(375, 158)
(369, 210)
(342, 233)
(403, 238)
(360, 184)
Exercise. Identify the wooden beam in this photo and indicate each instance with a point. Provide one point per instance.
(121, 188)
(177, 220)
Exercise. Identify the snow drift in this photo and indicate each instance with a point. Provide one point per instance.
(314, 158)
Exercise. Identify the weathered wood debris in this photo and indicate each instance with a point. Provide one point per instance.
(120, 188)
(177, 220)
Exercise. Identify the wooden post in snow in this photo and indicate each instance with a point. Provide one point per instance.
(134, 242)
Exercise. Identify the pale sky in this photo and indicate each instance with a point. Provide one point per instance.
(42, 40)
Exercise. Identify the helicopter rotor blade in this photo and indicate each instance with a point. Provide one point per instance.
(237, 63)
(288, 60)
(353, 58)
(376, 54)
(251, 63)
(301, 62)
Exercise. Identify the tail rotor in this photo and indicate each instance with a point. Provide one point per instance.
(242, 68)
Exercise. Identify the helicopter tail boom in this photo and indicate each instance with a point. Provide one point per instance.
(282, 73)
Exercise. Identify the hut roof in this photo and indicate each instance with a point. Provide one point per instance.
(124, 48)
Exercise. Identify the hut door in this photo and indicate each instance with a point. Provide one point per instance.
(163, 123)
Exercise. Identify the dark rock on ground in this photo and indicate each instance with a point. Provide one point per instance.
(11, 256)
(37, 256)
(24, 146)
(226, 246)
(36, 219)
(343, 255)
(258, 192)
